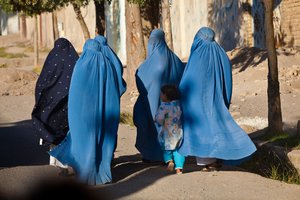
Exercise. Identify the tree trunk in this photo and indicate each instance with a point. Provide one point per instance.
(40, 31)
(135, 49)
(150, 18)
(100, 17)
(274, 105)
(23, 26)
(35, 41)
(166, 22)
(82, 23)
(55, 25)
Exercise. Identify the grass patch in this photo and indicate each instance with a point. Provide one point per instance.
(126, 118)
(42, 50)
(37, 70)
(282, 139)
(3, 65)
(4, 54)
(267, 163)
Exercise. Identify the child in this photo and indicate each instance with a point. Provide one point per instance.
(171, 134)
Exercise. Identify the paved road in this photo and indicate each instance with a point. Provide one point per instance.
(132, 179)
(19, 146)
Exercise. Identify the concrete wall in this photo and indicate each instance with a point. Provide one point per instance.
(187, 17)
(236, 23)
(46, 30)
(68, 25)
(116, 28)
(229, 19)
(9, 23)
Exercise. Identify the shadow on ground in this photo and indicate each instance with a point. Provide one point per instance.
(131, 175)
(19, 146)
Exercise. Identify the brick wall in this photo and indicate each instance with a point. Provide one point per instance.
(290, 22)
(247, 28)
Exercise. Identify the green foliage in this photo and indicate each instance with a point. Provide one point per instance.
(31, 7)
(83, 3)
(36, 7)
(37, 70)
(3, 65)
(270, 164)
(140, 2)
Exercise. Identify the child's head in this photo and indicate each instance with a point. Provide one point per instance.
(169, 93)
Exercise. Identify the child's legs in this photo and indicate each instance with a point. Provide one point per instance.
(178, 159)
(168, 156)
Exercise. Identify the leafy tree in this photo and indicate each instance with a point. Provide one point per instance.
(100, 16)
(274, 104)
(31, 8)
(76, 6)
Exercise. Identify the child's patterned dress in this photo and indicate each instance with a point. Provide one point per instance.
(168, 119)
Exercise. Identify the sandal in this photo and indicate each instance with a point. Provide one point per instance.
(178, 171)
(170, 166)
(211, 167)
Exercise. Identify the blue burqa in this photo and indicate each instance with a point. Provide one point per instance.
(206, 88)
(94, 113)
(111, 55)
(50, 113)
(161, 67)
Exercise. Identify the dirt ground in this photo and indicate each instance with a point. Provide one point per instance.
(131, 178)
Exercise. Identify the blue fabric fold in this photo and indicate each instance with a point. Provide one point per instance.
(161, 67)
(94, 113)
(111, 55)
(206, 89)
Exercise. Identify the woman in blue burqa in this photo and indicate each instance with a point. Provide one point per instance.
(111, 55)
(94, 113)
(161, 67)
(210, 132)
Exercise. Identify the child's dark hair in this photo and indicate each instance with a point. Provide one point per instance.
(171, 92)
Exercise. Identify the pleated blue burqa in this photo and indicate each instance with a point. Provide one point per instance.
(94, 113)
(50, 113)
(111, 55)
(161, 67)
(206, 89)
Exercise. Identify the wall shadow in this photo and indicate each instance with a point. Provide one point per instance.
(19, 146)
(225, 19)
(248, 56)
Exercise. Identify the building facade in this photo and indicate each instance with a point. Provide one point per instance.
(236, 23)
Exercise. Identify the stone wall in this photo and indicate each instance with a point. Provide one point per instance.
(290, 22)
